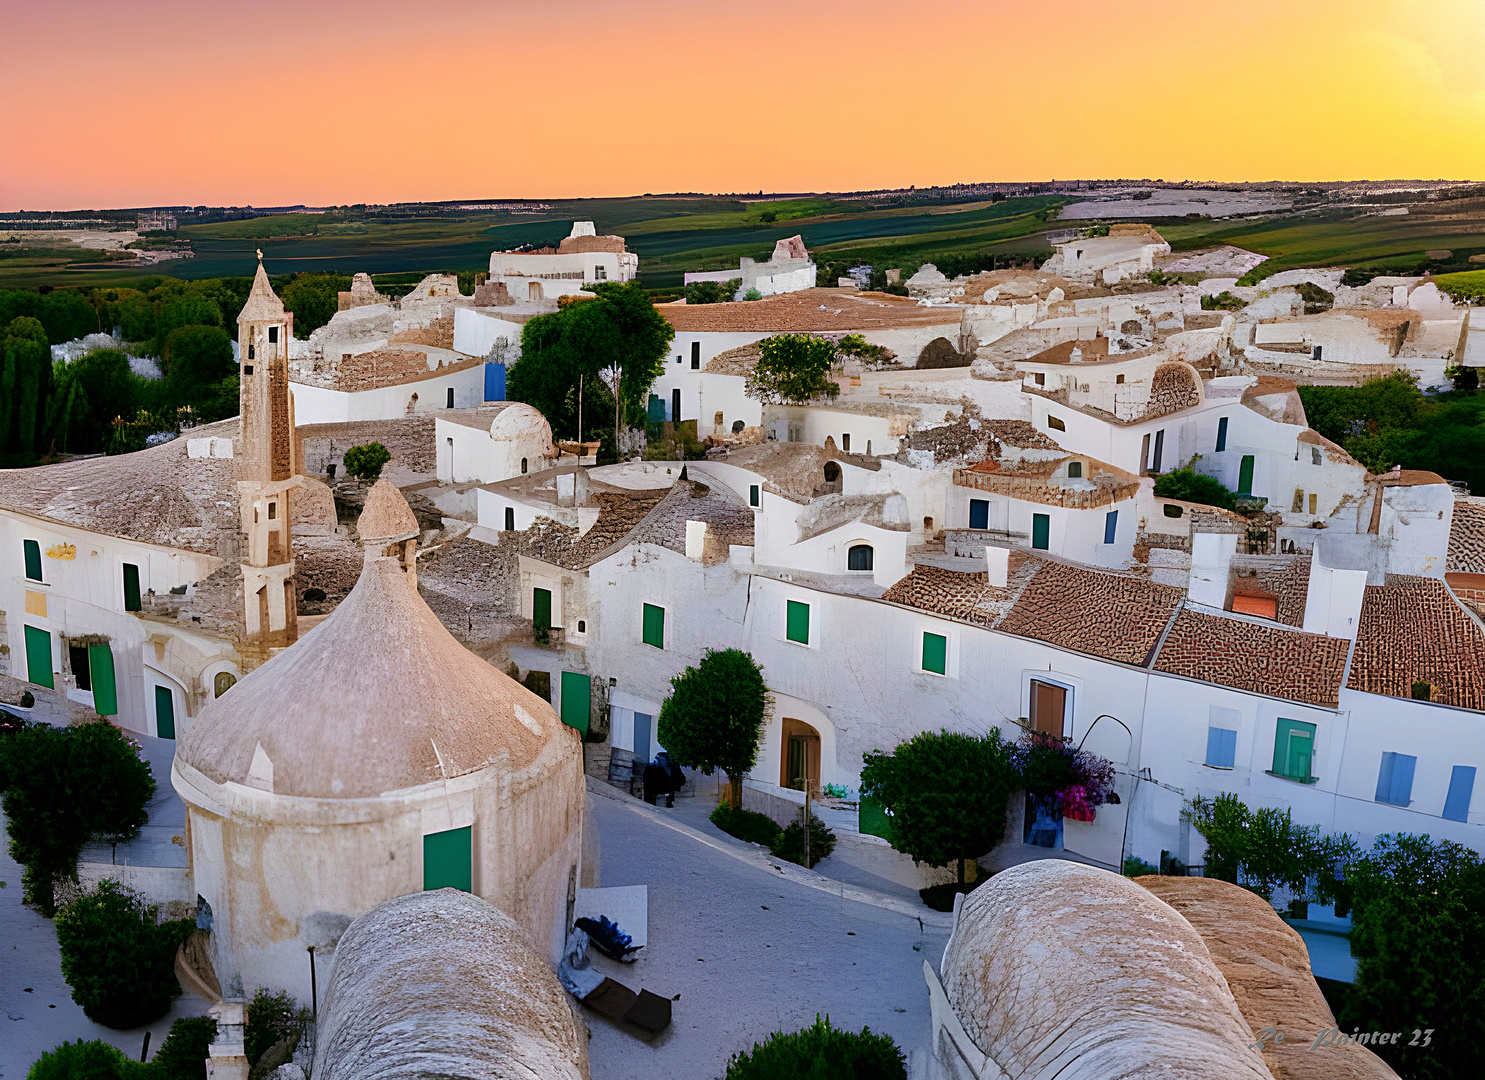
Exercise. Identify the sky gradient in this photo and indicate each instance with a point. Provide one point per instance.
(159, 102)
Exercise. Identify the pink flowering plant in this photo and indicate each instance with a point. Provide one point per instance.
(1079, 779)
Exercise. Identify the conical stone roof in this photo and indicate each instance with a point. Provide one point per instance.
(262, 302)
(386, 515)
(377, 698)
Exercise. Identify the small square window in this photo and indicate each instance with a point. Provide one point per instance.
(1119, 379)
(1055, 424)
(797, 622)
(1041, 378)
(1074, 470)
(654, 626)
(935, 653)
(272, 511)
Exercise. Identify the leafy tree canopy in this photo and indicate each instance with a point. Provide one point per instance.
(1191, 486)
(821, 1052)
(793, 369)
(365, 461)
(946, 793)
(118, 957)
(714, 716)
(62, 787)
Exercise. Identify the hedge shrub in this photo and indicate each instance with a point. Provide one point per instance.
(747, 825)
(182, 1056)
(789, 844)
(118, 957)
(821, 1052)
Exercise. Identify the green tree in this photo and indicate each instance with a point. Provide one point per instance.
(118, 957)
(619, 333)
(1265, 849)
(188, 310)
(272, 1018)
(25, 381)
(314, 299)
(91, 1060)
(820, 1052)
(197, 358)
(62, 787)
(366, 460)
(793, 369)
(1188, 485)
(712, 292)
(946, 793)
(714, 716)
(134, 318)
(66, 315)
(1418, 935)
(182, 1056)
(87, 394)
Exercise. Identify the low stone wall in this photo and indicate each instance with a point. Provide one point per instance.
(158, 884)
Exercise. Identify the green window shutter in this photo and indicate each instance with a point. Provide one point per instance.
(935, 653)
(164, 712)
(797, 626)
(38, 655)
(105, 689)
(448, 859)
(872, 819)
(654, 627)
(577, 700)
(1245, 475)
(1041, 531)
(33, 561)
(541, 608)
(754, 499)
(131, 587)
(1294, 749)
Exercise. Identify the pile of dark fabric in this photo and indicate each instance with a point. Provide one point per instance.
(607, 938)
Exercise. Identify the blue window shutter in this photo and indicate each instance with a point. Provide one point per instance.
(1402, 779)
(1221, 434)
(1221, 747)
(1110, 526)
(1461, 788)
(1384, 778)
(979, 513)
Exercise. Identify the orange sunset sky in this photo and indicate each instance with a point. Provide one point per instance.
(106, 103)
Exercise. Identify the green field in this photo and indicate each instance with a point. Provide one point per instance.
(673, 234)
(670, 235)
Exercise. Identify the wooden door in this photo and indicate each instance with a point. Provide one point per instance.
(1048, 708)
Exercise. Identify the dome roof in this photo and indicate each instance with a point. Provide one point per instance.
(1059, 967)
(442, 984)
(377, 698)
(386, 515)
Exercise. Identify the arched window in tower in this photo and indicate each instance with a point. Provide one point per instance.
(860, 557)
(224, 681)
(832, 472)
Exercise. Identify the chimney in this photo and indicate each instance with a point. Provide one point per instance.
(1333, 601)
(998, 565)
(695, 539)
(1211, 564)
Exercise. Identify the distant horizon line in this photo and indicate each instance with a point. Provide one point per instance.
(1050, 186)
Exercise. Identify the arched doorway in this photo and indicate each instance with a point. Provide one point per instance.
(533, 290)
(800, 761)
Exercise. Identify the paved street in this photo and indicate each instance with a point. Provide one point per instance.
(749, 953)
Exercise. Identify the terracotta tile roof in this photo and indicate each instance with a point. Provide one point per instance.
(965, 595)
(1412, 629)
(1102, 614)
(728, 521)
(807, 311)
(1262, 659)
(1467, 536)
(794, 470)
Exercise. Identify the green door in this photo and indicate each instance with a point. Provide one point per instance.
(1041, 531)
(38, 656)
(105, 689)
(448, 859)
(1294, 748)
(1245, 475)
(541, 608)
(164, 712)
(576, 700)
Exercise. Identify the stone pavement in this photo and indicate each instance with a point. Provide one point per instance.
(751, 949)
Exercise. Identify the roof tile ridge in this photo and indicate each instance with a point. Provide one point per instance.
(1017, 590)
(629, 536)
(1153, 656)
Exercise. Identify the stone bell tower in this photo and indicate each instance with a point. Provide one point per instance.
(268, 467)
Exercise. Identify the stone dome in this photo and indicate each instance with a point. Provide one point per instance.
(1057, 967)
(442, 984)
(377, 698)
